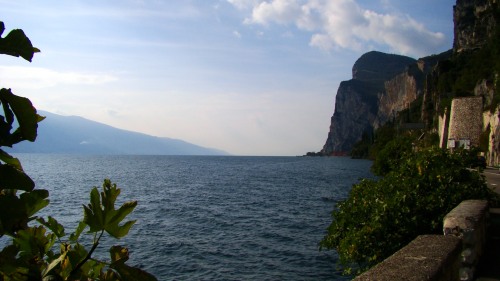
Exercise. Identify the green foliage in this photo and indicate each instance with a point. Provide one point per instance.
(391, 154)
(381, 216)
(421, 183)
(102, 216)
(383, 135)
(361, 150)
(459, 75)
(32, 254)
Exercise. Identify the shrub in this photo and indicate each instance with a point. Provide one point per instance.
(381, 216)
(391, 154)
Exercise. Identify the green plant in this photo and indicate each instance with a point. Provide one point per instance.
(391, 154)
(381, 216)
(33, 254)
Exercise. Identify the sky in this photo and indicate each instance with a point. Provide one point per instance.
(249, 77)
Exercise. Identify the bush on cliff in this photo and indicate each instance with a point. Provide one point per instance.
(381, 216)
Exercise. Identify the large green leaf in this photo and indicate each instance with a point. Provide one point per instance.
(118, 231)
(17, 44)
(76, 235)
(52, 265)
(33, 243)
(12, 178)
(90, 270)
(93, 214)
(35, 200)
(25, 113)
(53, 225)
(128, 273)
(12, 214)
(118, 254)
(101, 214)
(8, 159)
(10, 266)
(115, 217)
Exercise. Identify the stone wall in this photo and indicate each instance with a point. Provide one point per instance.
(468, 221)
(449, 257)
(491, 121)
(443, 129)
(428, 257)
(466, 120)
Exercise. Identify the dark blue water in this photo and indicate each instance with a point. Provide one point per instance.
(211, 218)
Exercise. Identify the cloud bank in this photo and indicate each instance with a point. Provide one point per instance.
(343, 24)
(37, 78)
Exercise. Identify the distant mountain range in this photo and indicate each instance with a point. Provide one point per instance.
(77, 135)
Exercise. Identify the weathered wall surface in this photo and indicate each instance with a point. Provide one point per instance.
(466, 120)
(449, 257)
(491, 121)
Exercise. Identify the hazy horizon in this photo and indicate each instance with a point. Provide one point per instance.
(249, 77)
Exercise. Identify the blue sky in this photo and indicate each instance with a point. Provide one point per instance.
(249, 77)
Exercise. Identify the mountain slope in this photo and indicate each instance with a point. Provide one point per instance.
(357, 100)
(394, 91)
(77, 135)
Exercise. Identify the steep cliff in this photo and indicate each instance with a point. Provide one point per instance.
(475, 22)
(357, 101)
(400, 92)
(472, 70)
(384, 85)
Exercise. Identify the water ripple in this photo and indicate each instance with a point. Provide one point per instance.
(212, 218)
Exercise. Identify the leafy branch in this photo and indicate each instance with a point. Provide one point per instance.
(31, 255)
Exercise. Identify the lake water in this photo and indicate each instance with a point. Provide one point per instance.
(211, 218)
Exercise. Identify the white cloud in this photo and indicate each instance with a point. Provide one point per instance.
(343, 24)
(37, 78)
(280, 11)
(237, 34)
(243, 4)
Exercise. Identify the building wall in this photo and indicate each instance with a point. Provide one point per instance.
(491, 120)
(466, 119)
(443, 129)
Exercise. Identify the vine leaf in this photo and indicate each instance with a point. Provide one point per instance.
(53, 225)
(129, 273)
(8, 159)
(12, 178)
(76, 235)
(119, 255)
(16, 44)
(13, 215)
(35, 201)
(33, 242)
(26, 115)
(12, 266)
(101, 214)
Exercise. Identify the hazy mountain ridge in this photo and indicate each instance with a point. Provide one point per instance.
(77, 135)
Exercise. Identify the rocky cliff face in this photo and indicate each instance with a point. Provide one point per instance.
(399, 93)
(474, 23)
(357, 105)
(473, 66)
(383, 85)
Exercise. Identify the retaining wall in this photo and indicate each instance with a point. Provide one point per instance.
(449, 257)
